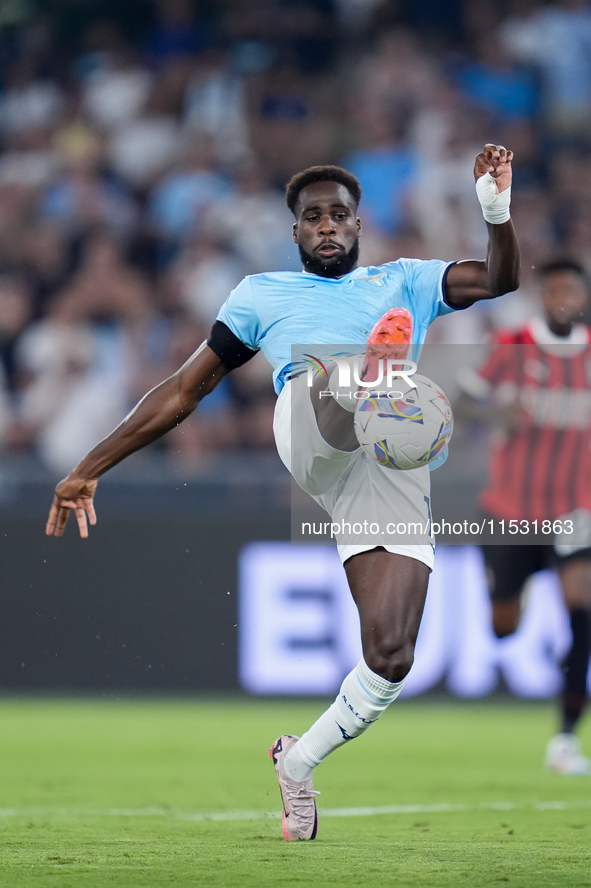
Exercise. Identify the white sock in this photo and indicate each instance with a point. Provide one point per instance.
(363, 697)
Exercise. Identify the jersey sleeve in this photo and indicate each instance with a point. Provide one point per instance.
(239, 314)
(425, 281)
(231, 350)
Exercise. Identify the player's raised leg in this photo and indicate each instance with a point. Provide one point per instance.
(390, 338)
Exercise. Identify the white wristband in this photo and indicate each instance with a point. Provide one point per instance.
(495, 206)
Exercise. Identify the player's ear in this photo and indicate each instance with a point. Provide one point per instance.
(294, 232)
(359, 226)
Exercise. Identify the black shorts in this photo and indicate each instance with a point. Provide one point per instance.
(508, 567)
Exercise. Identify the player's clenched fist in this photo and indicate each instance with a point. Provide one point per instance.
(72, 494)
(495, 160)
(493, 174)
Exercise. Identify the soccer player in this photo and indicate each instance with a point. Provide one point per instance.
(541, 470)
(332, 300)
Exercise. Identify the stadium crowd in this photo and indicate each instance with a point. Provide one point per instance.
(143, 151)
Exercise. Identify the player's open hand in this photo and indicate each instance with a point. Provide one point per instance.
(72, 494)
(496, 160)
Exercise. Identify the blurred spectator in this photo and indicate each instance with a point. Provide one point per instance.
(440, 23)
(28, 101)
(537, 235)
(178, 203)
(293, 120)
(79, 363)
(396, 78)
(387, 166)
(308, 33)
(30, 158)
(530, 168)
(107, 289)
(447, 135)
(479, 18)
(17, 204)
(144, 147)
(85, 195)
(255, 223)
(46, 263)
(249, 30)
(15, 13)
(179, 30)
(6, 411)
(557, 38)
(207, 273)
(577, 239)
(215, 106)
(201, 437)
(15, 314)
(493, 82)
(67, 399)
(356, 19)
(117, 90)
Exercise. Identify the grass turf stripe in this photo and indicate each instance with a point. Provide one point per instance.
(368, 811)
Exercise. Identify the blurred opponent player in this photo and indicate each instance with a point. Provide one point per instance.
(541, 469)
(332, 300)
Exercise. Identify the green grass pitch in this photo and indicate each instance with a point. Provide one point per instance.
(135, 793)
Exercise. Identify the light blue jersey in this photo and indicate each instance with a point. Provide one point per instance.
(275, 311)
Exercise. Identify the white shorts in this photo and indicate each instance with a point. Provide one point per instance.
(369, 505)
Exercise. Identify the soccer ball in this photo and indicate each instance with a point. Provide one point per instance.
(408, 432)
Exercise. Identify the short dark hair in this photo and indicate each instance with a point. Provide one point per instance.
(556, 266)
(324, 173)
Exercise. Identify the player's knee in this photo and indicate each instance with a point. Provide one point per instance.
(390, 660)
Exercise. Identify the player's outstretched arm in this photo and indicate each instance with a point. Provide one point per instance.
(471, 280)
(160, 410)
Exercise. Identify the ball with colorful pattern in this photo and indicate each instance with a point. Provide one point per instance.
(405, 432)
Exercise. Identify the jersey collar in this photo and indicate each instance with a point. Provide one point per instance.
(340, 281)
